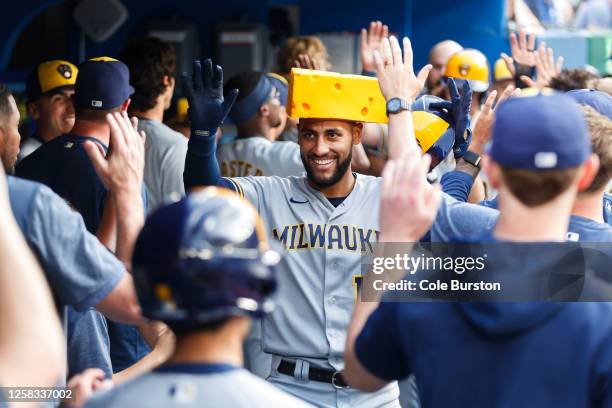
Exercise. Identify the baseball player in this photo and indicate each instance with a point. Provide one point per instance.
(49, 89)
(102, 86)
(152, 74)
(326, 219)
(204, 266)
(484, 354)
(258, 116)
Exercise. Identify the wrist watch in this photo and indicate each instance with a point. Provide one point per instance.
(472, 158)
(396, 105)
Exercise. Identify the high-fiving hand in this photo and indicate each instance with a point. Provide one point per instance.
(121, 171)
(204, 91)
(522, 48)
(395, 73)
(459, 107)
(546, 67)
(371, 40)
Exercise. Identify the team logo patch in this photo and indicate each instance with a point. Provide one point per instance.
(65, 70)
(464, 69)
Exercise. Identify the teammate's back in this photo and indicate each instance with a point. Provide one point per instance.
(197, 385)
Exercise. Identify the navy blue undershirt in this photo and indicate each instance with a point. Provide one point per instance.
(195, 368)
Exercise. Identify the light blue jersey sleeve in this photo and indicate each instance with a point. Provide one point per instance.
(460, 221)
(80, 270)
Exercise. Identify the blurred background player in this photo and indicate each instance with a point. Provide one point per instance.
(438, 58)
(152, 65)
(49, 89)
(307, 52)
(259, 118)
(502, 77)
(472, 66)
(207, 300)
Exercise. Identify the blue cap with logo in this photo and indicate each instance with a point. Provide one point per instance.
(600, 101)
(542, 132)
(103, 83)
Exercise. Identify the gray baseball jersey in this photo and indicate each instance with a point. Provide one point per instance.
(324, 249)
(258, 156)
(196, 385)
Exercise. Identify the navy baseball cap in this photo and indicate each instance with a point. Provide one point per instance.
(103, 83)
(542, 132)
(600, 101)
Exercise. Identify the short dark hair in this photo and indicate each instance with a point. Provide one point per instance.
(184, 329)
(5, 105)
(149, 60)
(534, 188)
(570, 79)
(245, 82)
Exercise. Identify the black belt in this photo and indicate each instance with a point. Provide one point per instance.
(315, 374)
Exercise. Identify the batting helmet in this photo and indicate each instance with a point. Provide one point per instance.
(203, 259)
(433, 125)
(470, 65)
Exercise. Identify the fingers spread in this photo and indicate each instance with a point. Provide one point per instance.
(396, 52)
(407, 52)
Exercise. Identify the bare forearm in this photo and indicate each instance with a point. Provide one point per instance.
(130, 219)
(401, 134)
(31, 340)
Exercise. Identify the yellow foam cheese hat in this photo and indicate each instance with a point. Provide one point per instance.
(330, 95)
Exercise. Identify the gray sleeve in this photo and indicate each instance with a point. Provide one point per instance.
(88, 342)
(80, 270)
(459, 221)
(172, 166)
(286, 156)
(256, 189)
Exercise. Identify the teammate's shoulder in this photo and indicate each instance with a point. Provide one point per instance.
(269, 394)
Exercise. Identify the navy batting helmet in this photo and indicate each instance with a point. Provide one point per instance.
(203, 259)
(444, 142)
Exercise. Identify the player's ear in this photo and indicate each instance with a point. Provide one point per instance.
(357, 132)
(492, 170)
(33, 111)
(264, 110)
(589, 171)
(125, 105)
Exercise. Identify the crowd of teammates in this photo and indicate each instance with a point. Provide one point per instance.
(184, 267)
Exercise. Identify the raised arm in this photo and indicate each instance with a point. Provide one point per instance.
(207, 111)
(396, 79)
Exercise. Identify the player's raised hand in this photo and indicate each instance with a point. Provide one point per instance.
(459, 107)
(371, 40)
(482, 130)
(546, 67)
(207, 107)
(395, 73)
(121, 171)
(305, 62)
(408, 204)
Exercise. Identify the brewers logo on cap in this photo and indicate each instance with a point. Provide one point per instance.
(464, 69)
(49, 76)
(65, 70)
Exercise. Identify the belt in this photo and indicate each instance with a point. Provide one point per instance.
(315, 374)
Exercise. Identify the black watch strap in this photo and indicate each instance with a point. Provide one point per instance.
(472, 158)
